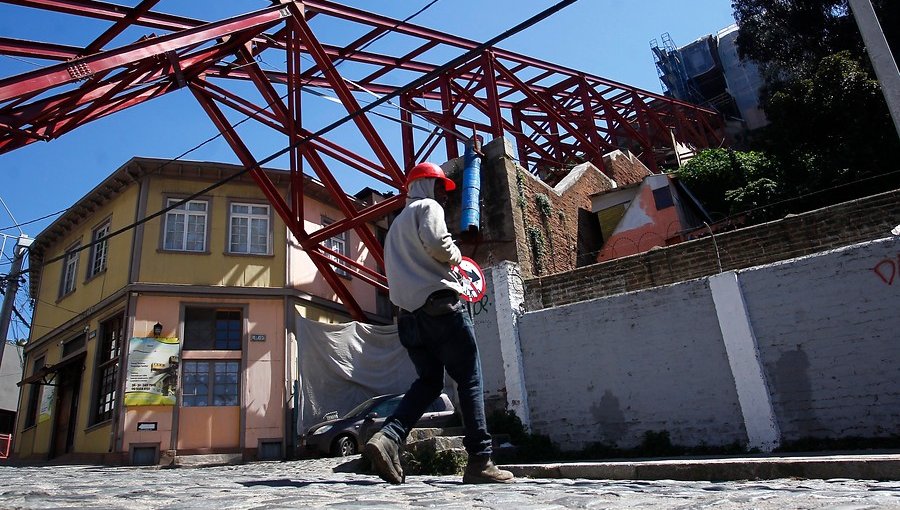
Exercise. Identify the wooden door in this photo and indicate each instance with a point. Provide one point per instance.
(66, 411)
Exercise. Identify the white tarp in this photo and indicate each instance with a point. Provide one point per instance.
(341, 365)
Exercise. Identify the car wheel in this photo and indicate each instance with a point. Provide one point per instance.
(343, 446)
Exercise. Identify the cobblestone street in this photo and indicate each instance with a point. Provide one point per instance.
(315, 484)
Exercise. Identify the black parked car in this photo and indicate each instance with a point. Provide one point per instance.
(344, 436)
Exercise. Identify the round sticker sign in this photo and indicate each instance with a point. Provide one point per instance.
(472, 278)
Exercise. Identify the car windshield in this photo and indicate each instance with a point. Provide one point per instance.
(386, 408)
(358, 410)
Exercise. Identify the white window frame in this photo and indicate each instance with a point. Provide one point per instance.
(99, 250)
(245, 245)
(339, 243)
(69, 276)
(186, 214)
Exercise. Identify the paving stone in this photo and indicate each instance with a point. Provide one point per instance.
(315, 484)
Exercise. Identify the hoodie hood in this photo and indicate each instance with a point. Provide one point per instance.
(419, 189)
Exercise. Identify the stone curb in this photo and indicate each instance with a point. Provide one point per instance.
(861, 467)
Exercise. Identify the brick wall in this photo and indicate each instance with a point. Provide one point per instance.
(827, 333)
(611, 369)
(824, 327)
(545, 229)
(551, 219)
(815, 231)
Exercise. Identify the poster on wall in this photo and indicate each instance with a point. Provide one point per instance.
(48, 396)
(152, 376)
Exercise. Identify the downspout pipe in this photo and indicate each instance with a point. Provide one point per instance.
(470, 219)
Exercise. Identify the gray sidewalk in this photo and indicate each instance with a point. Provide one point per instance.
(326, 483)
(882, 466)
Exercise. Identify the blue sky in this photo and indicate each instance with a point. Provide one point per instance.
(608, 38)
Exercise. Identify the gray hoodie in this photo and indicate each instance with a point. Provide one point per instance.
(419, 251)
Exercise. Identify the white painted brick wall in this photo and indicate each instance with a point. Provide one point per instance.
(828, 328)
(609, 370)
(487, 333)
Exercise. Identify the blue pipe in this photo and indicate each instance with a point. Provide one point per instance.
(470, 219)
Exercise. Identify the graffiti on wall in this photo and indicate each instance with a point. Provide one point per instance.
(482, 306)
(887, 269)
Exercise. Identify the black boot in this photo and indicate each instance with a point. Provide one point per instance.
(483, 470)
(384, 454)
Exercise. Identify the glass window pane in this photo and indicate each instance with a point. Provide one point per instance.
(259, 236)
(199, 329)
(227, 383)
(239, 235)
(186, 226)
(174, 231)
(195, 386)
(196, 235)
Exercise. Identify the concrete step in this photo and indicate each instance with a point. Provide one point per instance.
(856, 466)
(224, 459)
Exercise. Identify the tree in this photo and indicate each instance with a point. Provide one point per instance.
(829, 123)
(785, 36)
(730, 182)
(836, 116)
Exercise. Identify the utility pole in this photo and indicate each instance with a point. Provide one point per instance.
(880, 55)
(12, 287)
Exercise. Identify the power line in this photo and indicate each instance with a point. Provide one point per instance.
(378, 102)
(218, 135)
(19, 315)
(386, 32)
(352, 115)
(17, 225)
(465, 57)
(807, 195)
(23, 60)
(21, 232)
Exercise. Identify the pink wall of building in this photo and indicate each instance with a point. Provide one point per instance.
(302, 273)
(263, 382)
(644, 225)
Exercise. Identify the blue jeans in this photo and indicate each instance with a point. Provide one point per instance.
(436, 342)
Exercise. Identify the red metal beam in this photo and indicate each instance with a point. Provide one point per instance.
(119, 26)
(35, 49)
(349, 101)
(556, 112)
(84, 67)
(109, 12)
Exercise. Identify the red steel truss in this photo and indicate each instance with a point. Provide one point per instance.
(553, 115)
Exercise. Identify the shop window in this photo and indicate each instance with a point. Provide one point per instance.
(107, 370)
(249, 229)
(185, 228)
(34, 395)
(212, 329)
(69, 270)
(99, 250)
(338, 244)
(210, 383)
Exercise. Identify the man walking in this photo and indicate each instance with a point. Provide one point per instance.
(434, 327)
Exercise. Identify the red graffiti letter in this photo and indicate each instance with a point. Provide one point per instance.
(886, 277)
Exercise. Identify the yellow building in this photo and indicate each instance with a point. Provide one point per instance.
(175, 335)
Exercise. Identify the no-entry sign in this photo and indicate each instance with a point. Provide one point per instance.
(472, 278)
